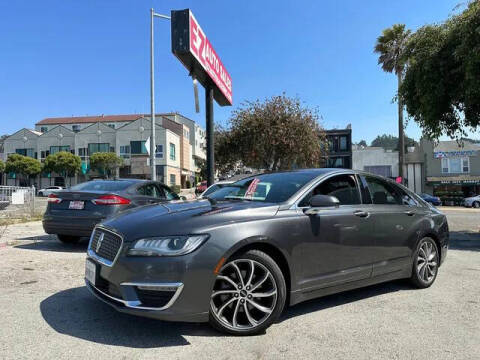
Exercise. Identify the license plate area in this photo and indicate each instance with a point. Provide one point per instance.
(91, 272)
(76, 205)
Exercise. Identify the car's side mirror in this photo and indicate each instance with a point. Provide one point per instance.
(319, 202)
(183, 198)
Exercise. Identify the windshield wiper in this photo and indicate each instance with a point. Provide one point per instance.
(237, 198)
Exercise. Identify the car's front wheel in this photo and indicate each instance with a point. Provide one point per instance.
(476, 204)
(425, 264)
(68, 239)
(248, 295)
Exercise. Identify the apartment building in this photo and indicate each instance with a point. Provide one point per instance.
(176, 151)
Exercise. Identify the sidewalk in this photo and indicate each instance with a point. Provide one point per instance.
(458, 208)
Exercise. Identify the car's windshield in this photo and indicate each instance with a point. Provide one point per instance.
(274, 188)
(102, 185)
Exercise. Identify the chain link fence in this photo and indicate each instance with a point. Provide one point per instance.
(18, 202)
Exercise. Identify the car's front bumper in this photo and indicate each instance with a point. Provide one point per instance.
(174, 288)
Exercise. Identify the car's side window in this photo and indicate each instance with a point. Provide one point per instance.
(382, 193)
(343, 187)
(169, 194)
(407, 199)
(149, 190)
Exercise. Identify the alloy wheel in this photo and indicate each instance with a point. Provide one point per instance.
(427, 262)
(244, 295)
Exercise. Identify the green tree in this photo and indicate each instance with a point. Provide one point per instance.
(391, 50)
(23, 165)
(441, 88)
(63, 163)
(278, 133)
(106, 162)
(2, 167)
(362, 143)
(390, 142)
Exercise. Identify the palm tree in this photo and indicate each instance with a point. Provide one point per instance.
(391, 46)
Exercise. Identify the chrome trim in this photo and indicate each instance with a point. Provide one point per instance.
(136, 304)
(100, 259)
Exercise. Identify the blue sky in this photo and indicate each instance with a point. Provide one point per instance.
(63, 58)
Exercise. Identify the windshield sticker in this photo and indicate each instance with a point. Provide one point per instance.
(252, 188)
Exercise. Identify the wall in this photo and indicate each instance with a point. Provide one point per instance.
(375, 156)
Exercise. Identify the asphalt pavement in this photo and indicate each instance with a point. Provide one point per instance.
(47, 313)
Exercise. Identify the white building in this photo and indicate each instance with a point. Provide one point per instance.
(179, 141)
(379, 161)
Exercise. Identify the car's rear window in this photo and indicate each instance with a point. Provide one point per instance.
(102, 185)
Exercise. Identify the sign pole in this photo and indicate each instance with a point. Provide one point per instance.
(210, 131)
(152, 102)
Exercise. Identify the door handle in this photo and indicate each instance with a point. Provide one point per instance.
(361, 213)
(410, 212)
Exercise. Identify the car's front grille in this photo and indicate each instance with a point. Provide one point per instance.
(105, 244)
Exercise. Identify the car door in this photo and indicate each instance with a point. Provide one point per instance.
(336, 246)
(393, 216)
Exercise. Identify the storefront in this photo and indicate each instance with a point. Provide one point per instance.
(453, 189)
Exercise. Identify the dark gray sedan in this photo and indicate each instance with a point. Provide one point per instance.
(237, 258)
(74, 212)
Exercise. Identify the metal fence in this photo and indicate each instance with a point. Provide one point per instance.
(17, 201)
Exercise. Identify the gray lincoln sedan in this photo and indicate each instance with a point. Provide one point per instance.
(240, 256)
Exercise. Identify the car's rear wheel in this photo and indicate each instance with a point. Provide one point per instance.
(476, 204)
(68, 239)
(425, 264)
(248, 295)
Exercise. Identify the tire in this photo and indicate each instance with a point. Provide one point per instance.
(476, 204)
(425, 263)
(68, 239)
(236, 296)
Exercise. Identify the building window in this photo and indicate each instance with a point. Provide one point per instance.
(25, 152)
(186, 133)
(138, 147)
(55, 149)
(98, 147)
(125, 151)
(44, 154)
(343, 143)
(159, 152)
(172, 179)
(75, 128)
(455, 165)
(172, 151)
(44, 129)
(83, 153)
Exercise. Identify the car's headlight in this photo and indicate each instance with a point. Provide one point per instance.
(167, 245)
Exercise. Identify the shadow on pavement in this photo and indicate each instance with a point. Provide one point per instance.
(347, 297)
(50, 243)
(464, 240)
(77, 313)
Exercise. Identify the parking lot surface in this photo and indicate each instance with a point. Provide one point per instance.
(46, 312)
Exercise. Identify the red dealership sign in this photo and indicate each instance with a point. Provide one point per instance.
(194, 50)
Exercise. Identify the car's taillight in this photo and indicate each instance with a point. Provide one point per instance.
(111, 200)
(52, 198)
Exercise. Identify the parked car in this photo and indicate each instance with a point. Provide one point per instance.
(235, 258)
(74, 212)
(472, 201)
(49, 190)
(201, 187)
(215, 187)
(434, 200)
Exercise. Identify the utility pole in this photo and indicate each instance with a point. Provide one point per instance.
(153, 14)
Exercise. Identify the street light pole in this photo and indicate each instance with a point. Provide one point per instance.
(152, 95)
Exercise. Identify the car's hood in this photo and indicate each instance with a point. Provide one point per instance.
(186, 217)
(473, 198)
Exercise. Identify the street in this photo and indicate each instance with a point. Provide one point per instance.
(47, 312)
